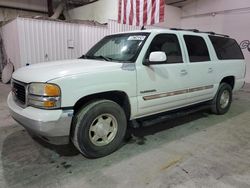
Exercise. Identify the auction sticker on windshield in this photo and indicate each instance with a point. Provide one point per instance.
(137, 37)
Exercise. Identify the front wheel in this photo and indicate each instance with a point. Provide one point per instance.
(222, 100)
(99, 128)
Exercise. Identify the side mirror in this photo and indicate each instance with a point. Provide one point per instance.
(157, 57)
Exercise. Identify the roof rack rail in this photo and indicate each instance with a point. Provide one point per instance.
(197, 31)
(179, 29)
(213, 33)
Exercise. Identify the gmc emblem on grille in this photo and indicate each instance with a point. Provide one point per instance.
(14, 90)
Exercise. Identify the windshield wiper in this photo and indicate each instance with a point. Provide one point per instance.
(96, 57)
(83, 57)
(102, 57)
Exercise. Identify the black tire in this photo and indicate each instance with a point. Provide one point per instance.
(217, 107)
(85, 118)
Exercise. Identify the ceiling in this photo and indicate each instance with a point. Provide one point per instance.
(77, 3)
(177, 3)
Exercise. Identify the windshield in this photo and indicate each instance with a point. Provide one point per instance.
(121, 47)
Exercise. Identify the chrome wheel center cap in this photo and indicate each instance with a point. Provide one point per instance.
(102, 129)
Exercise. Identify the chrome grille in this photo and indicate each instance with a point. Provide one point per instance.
(19, 90)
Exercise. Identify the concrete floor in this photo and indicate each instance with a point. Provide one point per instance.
(198, 150)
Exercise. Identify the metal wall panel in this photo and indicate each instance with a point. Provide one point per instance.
(89, 35)
(43, 40)
(11, 43)
(34, 40)
(115, 27)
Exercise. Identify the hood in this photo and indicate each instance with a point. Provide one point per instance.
(44, 72)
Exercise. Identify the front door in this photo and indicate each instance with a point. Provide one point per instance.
(164, 86)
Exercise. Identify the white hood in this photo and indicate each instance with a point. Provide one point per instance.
(44, 72)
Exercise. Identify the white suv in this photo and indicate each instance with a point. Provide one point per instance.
(124, 77)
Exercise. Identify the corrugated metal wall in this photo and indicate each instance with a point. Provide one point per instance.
(32, 40)
(11, 42)
(89, 35)
(115, 27)
(43, 40)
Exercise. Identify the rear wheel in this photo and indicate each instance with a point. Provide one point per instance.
(222, 100)
(99, 128)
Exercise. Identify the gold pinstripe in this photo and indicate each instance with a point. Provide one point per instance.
(179, 92)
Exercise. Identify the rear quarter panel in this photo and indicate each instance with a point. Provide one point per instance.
(236, 68)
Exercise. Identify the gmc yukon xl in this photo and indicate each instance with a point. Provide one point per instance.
(126, 76)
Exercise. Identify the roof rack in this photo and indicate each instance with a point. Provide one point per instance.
(179, 29)
(198, 31)
(213, 33)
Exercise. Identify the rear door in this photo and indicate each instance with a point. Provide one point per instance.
(201, 68)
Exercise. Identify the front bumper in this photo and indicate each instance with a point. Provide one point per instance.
(51, 125)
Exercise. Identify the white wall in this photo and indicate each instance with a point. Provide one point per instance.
(207, 6)
(104, 10)
(222, 16)
(100, 11)
(32, 41)
(172, 17)
(11, 42)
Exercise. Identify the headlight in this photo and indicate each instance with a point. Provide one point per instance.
(42, 89)
(44, 95)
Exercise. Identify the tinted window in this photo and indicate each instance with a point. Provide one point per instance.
(226, 48)
(197, 48)
(169, 44)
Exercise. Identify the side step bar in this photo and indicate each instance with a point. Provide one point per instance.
(155, 119)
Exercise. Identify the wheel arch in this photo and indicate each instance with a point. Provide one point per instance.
(120, 97)
(229, 80)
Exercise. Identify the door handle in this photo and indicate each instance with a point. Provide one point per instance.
(210, 70)
(184, 72)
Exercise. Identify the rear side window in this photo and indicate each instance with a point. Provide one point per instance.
(226, 48)
(197, 48)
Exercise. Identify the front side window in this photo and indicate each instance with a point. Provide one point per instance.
(226, 48)
(120, 47)
(169, 44)
(197, 48)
